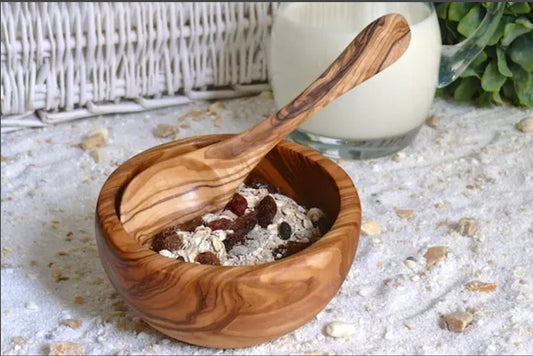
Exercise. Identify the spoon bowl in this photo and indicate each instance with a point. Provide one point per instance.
(220, 306)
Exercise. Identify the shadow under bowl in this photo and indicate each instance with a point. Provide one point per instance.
(225, 306)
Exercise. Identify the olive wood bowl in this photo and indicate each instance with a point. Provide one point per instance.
(225, 306)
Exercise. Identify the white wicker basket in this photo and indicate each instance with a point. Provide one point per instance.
(64, 61)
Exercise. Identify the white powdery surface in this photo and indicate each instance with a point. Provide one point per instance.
(475, 164)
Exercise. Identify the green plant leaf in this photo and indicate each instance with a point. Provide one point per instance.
(512, 31)
(521, 51)
(458, 10)
(470, 21)
(509, 92)
(442, 9)
(469, 72)
(497, 98)
(492, 80)
(525, 22)
(498, 33)
(520, 8)
(480, 59)
(503, 68)
(523, 85)
(467, 88)
(485, 99)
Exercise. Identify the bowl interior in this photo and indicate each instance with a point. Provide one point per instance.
(293, 172)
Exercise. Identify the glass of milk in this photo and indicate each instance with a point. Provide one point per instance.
(383, 114)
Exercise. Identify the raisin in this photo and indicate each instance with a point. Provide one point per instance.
(257, 182)
(207, 258)
(323, 225)
(220, 224)
(237, 204)
(244, 223)
(266, 210)
(236, 238)
(290, 248)
(158, 242)
(284, 230)
(192, 224)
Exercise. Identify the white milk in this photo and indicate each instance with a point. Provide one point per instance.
(308, 37)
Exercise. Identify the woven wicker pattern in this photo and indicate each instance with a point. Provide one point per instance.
(71, 60)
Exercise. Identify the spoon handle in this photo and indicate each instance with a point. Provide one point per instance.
(379, 45)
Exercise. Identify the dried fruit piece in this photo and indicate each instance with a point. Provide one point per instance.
(257, 182)
(207, 258)
(236, 238)
(165, 130)
(237, 204)
(371, 228)
(66, 348)
(160, 242)
(284, 230)
(220, 224)
(244, 223)
(434, 255)
(467, 227)
(191, 225)
(290, 248)
(340, 329)
(478, 286)
(266, 210)
(456, 322)
(405, 213)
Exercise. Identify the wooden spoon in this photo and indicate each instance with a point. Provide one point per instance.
(184, 187)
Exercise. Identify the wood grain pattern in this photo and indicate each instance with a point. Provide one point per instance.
(233, 306)
(204, 180)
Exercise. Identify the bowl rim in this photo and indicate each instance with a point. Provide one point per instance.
(116, 238)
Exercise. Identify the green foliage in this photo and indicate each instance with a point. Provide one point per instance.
(503, 72)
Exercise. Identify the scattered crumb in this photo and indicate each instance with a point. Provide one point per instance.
(19, 340)
(525, 125)
(435, 254)
(410, 262)
(185, 126)
(398, 157)
(407, 214)
(267, 94)
(467, 227)
(32, 306)
(478, 286)
(78, 300)
(72, 323)
(439, 205)
(433, 121)
(457, 321)
(66, 348)
(97, 156)
(95, 139)
(340, 329)
(216, 108)
(371, 228)
(165, 130)
(4, 159)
